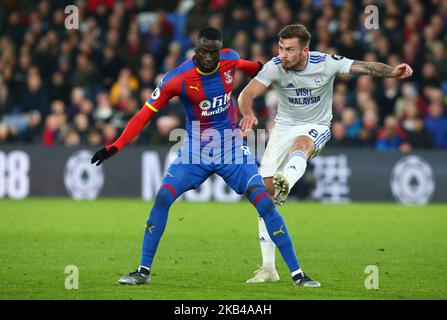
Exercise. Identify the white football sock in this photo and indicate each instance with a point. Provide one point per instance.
(144, 267)
(295, 167)
(267, 246)
(296, 272)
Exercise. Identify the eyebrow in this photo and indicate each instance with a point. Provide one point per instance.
(209, 50)
(287, 47)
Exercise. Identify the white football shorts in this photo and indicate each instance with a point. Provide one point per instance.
(280, 142)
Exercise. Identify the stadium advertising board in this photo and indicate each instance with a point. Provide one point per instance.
(338, 176)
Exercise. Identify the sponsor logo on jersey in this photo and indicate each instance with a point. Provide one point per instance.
(304, 100)
(205, 105)
(216, 105)
(304, 97)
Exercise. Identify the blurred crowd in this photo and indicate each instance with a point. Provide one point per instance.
(80, 87)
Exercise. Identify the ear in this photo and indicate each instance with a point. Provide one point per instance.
(306, 50)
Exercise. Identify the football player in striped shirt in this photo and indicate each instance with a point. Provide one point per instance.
(204, 84)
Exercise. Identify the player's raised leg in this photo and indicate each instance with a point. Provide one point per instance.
(301, 149)
(177, 180)
(305, 146)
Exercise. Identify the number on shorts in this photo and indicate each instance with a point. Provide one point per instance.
(246, 150)
(313, 133)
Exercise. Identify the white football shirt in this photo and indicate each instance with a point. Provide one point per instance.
(304, 97)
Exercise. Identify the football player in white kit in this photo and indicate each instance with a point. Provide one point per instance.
(303, 81)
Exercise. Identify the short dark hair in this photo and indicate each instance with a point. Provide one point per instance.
(296, 31)
(210, 34)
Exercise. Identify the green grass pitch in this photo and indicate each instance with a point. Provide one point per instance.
(208, 250)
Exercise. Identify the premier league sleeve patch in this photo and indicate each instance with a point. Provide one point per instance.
(336, 57)
(156, 94)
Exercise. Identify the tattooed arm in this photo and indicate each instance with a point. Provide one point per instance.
(382, 70)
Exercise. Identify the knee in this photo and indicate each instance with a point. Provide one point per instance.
(164, 198)
(265, 206)
(269, 186)
(260, 199)
(304, 144)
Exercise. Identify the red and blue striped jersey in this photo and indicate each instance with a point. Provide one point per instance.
(206, 97)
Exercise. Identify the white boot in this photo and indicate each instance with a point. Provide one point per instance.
(264, 274)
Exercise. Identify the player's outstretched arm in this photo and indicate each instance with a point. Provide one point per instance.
(249, 67)
(378, 69)
(133, 128)
(245, 102)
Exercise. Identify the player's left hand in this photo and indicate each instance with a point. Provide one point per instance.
(247, 123)
(402, 71)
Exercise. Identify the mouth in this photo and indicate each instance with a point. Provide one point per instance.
(287, 64)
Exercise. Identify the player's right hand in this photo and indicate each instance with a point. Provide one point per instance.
(402, 71)
(247, 123)
(103, 154)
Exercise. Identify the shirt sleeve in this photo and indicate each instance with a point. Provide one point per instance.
(249, 67)
(133, 128)
(338, 64)
(165, 90)
(268, 74)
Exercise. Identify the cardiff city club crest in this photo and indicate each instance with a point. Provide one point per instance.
(228, 77)
(319, 80)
